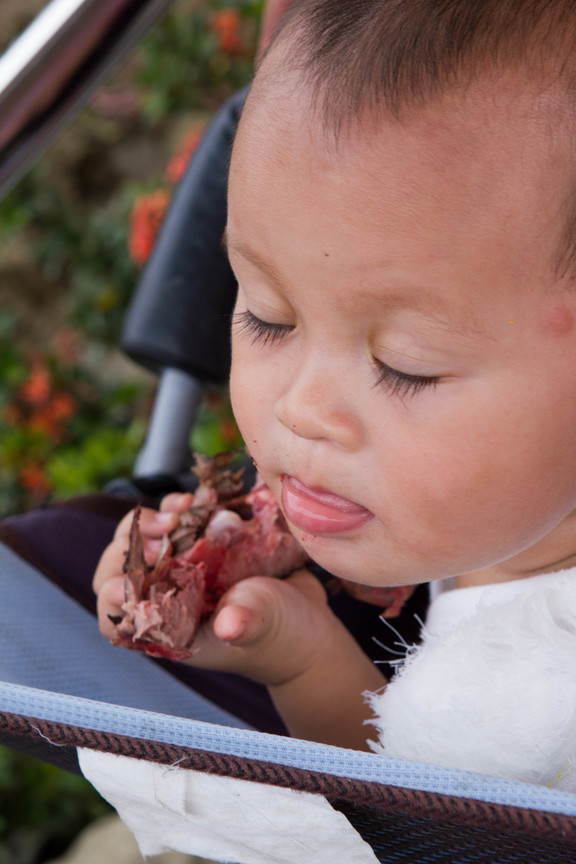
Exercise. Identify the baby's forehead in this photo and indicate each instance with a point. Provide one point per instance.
(451, 176)
(499, 109)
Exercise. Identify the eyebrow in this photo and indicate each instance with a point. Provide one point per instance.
(266, 267)
(437, 312)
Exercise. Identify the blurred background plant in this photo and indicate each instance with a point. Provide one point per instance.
(74, 235)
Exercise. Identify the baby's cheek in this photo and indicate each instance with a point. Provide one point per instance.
(560, 321)
(239, 398)
(244, 399)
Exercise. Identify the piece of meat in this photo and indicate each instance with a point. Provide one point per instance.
(390, 599)
(224, 537)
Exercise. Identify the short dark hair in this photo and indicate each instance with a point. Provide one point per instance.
(363, 53)
(391, 55)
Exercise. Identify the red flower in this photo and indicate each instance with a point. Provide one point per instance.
(179, 162)
(51, 417)
(33, 477)
(62, 407)
(41, 408)
(226, 25)
(147, 215)
(36, 389)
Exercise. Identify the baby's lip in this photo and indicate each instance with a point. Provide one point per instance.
(317, 511)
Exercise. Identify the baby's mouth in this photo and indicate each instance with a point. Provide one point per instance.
(319, 512)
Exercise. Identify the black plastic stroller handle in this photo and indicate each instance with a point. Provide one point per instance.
(52, 70)
(179, 317)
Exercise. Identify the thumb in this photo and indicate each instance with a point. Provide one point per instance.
(252, 609)
(248, 613)
(239, 626)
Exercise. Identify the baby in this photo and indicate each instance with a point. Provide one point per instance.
(402, 226)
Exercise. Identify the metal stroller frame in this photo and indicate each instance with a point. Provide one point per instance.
(123, 703)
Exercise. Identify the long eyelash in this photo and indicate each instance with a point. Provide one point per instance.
(261, 331)
(400, 383)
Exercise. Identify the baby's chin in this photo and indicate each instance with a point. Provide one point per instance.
(348, 564)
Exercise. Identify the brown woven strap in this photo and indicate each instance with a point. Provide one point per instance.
(410, 803)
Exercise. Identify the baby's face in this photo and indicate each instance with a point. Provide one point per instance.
(404, 356)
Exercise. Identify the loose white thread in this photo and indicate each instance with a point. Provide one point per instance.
(45, 737)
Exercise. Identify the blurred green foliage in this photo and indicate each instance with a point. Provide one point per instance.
(41, 809)
(62, 430)
(81, 235)
(220, 36)
(68, 425)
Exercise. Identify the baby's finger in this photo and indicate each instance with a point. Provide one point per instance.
(151, 523)
(110, 600)
(253, 629)
(226, 641)
(248, 612)
(176, 502)
(251, 609)
(110, 564)
(239, 625)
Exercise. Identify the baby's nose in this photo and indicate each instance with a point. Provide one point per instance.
(316, 406)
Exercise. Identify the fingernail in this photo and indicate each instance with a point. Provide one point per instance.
(153, 545)
(164, 518)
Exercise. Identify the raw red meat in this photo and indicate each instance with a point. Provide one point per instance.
(391, 599)
(224, 537)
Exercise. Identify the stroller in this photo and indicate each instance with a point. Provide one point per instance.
(197, 761)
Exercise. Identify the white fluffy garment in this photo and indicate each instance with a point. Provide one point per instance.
(493, 686)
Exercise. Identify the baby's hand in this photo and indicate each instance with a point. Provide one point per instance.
(108, 583)
(267, 629)
(280, 632)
